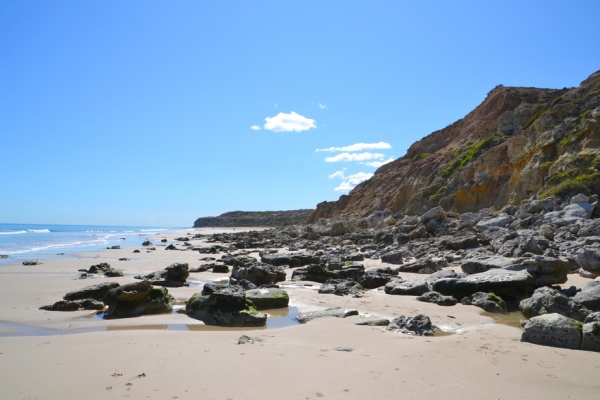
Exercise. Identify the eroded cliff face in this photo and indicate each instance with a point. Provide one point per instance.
(519, 142)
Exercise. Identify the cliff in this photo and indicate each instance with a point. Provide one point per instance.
(255, 218)
(519, 142)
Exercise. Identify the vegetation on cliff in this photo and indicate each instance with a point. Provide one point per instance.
(518, 143)
(255, 218)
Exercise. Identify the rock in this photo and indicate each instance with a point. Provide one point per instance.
(265, 299)
(553, 330)
(220, 269)
(580, 198)
(147, 243)
(417, 325)
(589, 296)
(342, 288)
(545, 270)
(137, 299)
(426, 263)
(202, 268)
(174, 275)
(392, 257)
(375, 278)
(224, 306)
(337, 312)
(105, 269)
(590, 339)
(487, 301)
(91, 292)
(436, 213)
(501, 221)
(171, 247)
(290, 259)
(588, 258)
(406, 288)
(315, 273)
(182, 239)
(163, 240)
(514, 284)
(462, 242)
(31, 262)
(74, 305)
(4, 256)
(248, 340)
(437, 298)
(259, 273)
(374, 322)
(571, 214)
(592, 317)
(546, 300)
(136, 251)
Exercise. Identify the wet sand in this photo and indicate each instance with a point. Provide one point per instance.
(73, 355)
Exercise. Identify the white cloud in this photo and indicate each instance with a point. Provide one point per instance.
(337, 174)
(323, 106)
(291, 122)
(352, 180)
(359, 147)
(378, 164)
(345, 157)
(255, 128)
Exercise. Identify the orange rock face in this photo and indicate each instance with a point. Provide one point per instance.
(519, 142)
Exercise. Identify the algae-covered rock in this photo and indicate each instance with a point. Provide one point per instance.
(174, 275)
(137, 299)
(224, 306)
(418, 325)
(74, 305)
(486, 301)
(553, 330)
(546, 300)
(315, 273)
(268, 298)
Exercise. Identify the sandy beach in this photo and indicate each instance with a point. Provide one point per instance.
(75, 355)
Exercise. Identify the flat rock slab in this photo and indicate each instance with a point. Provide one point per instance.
(337, 312)
(499, 281)
(91, 292)
(264, 299)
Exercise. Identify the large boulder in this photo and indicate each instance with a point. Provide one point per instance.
(290, 259)
(424, 265)
(418, 325)
(268, 298)
(258, 273)
(91, 292)
(590, 336)
(482, 264)
(546, 300)
(589, 295)
(137, 299)
(174, 275)
(553, 330)
(224, 306)
(571, 214)
(503, 282)
(545, 270)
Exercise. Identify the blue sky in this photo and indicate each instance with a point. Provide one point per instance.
(141, 112)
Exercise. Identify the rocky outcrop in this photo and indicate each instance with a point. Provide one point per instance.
(174, 275)
(337, 312)
(74, 305)
(418, 325)
(487, 301)
(546, 300)
(437, 298)
(268, 298)
(342, 288)
(224, 306)
(519, 142)
(136, 299)
(258, 273)
(255, 218)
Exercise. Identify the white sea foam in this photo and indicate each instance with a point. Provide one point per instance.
(153, 230)
(12, 233)
(38, 230)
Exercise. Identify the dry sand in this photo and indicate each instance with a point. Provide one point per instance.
(64, 355)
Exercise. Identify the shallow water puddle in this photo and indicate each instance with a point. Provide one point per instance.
(513, 318)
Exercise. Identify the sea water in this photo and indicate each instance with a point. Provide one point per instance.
(28, 241)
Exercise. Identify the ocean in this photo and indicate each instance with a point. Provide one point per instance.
(28, 241)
